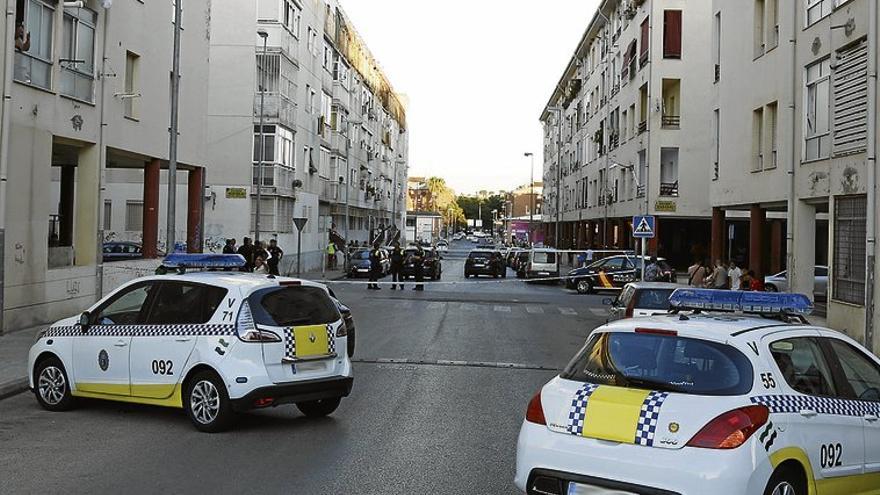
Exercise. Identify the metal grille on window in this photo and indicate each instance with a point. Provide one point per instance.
(849, 249)
(851, 99)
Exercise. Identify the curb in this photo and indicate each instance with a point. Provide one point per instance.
(13, 387)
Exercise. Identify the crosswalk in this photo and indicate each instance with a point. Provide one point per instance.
(503, 309)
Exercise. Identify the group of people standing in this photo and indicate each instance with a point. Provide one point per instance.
(258, 259)
(720, 275)
(397, 257)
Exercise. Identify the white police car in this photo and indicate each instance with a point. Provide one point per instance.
(708, 403)
(211, 342)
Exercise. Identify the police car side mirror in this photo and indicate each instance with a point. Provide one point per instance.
(608, 301)
(85, 320)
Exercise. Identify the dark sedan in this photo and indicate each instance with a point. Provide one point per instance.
(360, 264)
(119, 251)
(431, 267)
(484, 262)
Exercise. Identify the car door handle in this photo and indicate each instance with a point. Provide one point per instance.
(808, 413)
(871, 418)
(183, 339)
(121, 344)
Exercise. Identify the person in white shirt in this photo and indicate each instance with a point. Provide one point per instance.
(734, 275)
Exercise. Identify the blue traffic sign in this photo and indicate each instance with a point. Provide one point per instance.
(643, 227)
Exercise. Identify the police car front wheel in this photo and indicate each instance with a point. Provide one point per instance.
(51, 385)
(319, 408)
(584, 287)
(207, 403)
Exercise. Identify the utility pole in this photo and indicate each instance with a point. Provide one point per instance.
(871, 227)
(172, 153)
(532, 194)
(265, 35)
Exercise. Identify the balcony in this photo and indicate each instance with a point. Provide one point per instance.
(640, 191)
(669, 188)
(277, 180)
(671, 121)
(339, 142)
(276, 108)
(329, 191)
(643, 126)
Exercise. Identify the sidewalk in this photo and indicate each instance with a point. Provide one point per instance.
(13, 360)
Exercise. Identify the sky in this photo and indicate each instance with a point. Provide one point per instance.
(477, 74)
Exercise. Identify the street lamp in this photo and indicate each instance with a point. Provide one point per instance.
(265, 35)
(532, 194)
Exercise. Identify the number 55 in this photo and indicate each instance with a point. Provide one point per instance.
(767, 380)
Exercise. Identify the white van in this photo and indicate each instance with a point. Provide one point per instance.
(542, 263)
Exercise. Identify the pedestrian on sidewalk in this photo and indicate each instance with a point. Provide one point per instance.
(331, 255)
(375, 267)
(275, 255)
(229, 248)
(696, 274)
(418, 261)
(397, 258)
(734, 276)
(247, 250)
(718, 278)
(755, 282)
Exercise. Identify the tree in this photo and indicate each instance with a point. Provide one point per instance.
(473, 206)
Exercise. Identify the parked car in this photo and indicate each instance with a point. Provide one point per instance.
(432, 269)
(539, 263)
(119, 251)
(442, 246)
(613, 273)
(484, 262)
(641, 299)
(779, 282)
(360, 263)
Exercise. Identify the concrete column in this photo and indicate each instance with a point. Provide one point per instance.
(86, 214)
(66, 206)
(803, 259)
(151, 208)
(195, 203)
(719, 234)
(589, 234)
(776, 240)
(757, 218)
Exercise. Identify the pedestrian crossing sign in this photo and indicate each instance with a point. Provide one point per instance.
(643, 227)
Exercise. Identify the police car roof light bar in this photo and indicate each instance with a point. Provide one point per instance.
(764, 303)
(183, 261)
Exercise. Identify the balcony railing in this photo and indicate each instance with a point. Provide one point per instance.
(643, 126)
(277, 179)
(640, 191)
(329, 191)
(669, 188)
(671, 121)
(276, 108)
(339, 142)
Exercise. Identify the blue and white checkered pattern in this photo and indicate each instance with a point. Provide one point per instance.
(822, 405)
(647, 425)
(579, 408)
(205, 330)
(290, 342)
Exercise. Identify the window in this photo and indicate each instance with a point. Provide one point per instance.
(78, 53)
(671, 34)
(716, 49)
(817, 9)
(185, 303)
(292, 17)
(760, 47)
(771, 38)
(130, 99)
(851, 99)
(817, 110)
(662, 362)
(862, 374)
(125, 308)
(134, 216)
(327, 60)
(326, 111)
(311, 96)
(716, 142)
(645, 35)
(312, 42)
(33, 59)
(108, 210)
(772, 118)
(848, 269)
(758, 140)
(293, 306)
(802, 366)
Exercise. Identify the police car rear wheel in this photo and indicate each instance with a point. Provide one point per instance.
(207, 403)
(785, 481)
(51, 386)
(319, 408)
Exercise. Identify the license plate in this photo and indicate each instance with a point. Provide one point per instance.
(307, 367)
(578, 489)
(479, 265)
(363, 270)
(544, 274)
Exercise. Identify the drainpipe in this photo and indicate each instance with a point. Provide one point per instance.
(792, 160)
(102, 158)
(8, 54)
(870, 229)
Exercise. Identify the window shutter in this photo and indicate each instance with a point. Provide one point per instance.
(672, 34)
(645, 35)
(850, 98)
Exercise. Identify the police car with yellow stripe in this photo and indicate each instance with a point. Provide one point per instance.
(706, 402)
(212, 343)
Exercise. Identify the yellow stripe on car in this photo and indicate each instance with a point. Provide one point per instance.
(613, 413)
(139, 393)
(604, 279)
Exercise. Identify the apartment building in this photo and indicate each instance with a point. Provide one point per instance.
(625, 130)
(790, 117)
(334, 130)
(525, 200)
(87, 88)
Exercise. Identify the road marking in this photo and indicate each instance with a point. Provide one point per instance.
(502, 309)
(453, 363)
(568, 311)
(468, 307)
(535, 310)
(599, 312)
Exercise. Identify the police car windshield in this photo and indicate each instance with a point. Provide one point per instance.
(662, 362)
(293, 306)
(361, 255)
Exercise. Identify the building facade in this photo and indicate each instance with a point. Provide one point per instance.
(790, 116)
(86, 103)
(625, 131)
(525, 200)
(334, 130)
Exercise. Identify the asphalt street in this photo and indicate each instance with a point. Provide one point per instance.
(442, 380)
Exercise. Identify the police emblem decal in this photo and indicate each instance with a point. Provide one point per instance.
(673, 427)
(103, 360)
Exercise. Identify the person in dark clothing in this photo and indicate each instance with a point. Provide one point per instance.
(276, 253)
(247, 250)
(418, 260)
(259, 250)
(375, 267)
(397, 258)
(229, 248)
